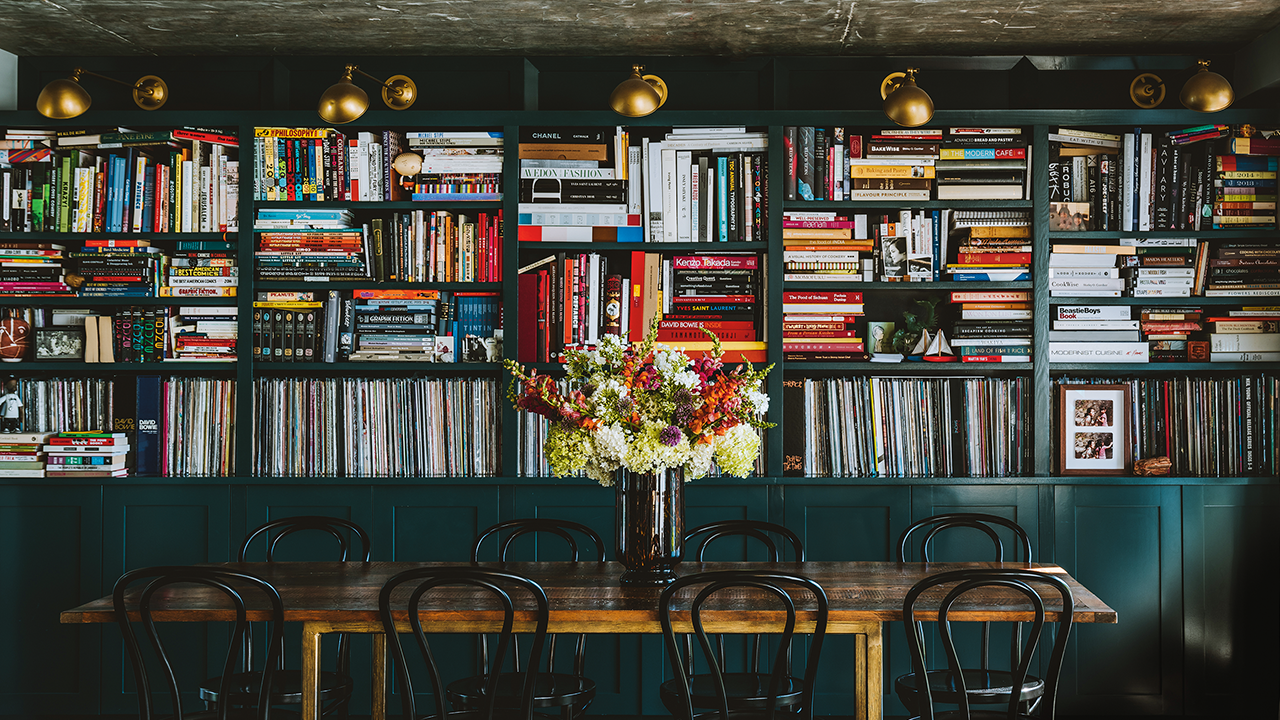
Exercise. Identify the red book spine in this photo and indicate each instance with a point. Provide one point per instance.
(822, 297)
(855, 347)
(819, 333)
(637, 329)
(1000, 258)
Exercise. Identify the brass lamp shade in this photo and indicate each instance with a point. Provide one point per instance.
(904, 103)
(1207, 91)
(638, 95)
(63, 98)
(344, 101)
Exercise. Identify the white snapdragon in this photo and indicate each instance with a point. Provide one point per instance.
(611, 443)
(687, 379)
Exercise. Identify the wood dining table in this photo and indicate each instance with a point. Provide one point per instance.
(585, 597)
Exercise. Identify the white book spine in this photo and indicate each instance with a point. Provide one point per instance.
(1145, 197)
(670, 196)
(684, 196)
(1099, 352)
(635, 179)
(1126, 184)
(1092, 312)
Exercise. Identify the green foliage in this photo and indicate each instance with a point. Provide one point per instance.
(906, 337)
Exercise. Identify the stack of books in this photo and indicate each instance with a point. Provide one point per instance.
(1168, 331)
(22, 454)
(1095, 334)
(406, 325)
(572, 189)
(1077, 270)
(456, 164)
(990, 249)
(436, 246)
(202, 268)
(895, 164)
(293, 326)
(702, 289)
(86, 455)
(310, 245)
(822, 327)
(1160, 267)
(1250, 334)
(1245, 185)
(32, 269)
(994, 326)
(1247, 268)
(202, 333)
(121, 268)
(984, 163)
(824, 246)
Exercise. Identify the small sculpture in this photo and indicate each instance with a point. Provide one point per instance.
(11, 408)
(15, 335)
(1153, 467)
(407, 164)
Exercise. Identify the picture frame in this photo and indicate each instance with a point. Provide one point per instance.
(1093, 430)
(59, 343)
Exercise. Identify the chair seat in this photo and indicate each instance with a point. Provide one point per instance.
(983, 686)
(550, 690)
(745, 691)
(286, 687)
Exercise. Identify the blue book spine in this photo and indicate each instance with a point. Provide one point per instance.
(113, 195)
(149, 200)
(938, 260)
(722, 197)
(150, 399)
(1136, 169)
(985, 277)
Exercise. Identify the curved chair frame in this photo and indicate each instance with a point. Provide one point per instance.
(757, 529)
(978, 521)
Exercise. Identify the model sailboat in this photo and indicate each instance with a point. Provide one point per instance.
(922, 346)
(939, 349)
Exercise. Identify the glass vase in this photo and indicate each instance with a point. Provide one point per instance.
(650, 525)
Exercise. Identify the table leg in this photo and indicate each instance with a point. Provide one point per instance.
(875, 670)
(378, 673)
(311, 670)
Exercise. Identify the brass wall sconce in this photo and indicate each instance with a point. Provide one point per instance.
(1147, 91)
(638, 95)
(904, 103)
(65, 98)
(344, 101)
(1207, 91)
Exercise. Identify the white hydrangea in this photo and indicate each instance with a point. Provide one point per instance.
(699, 462)
(758, 401)
(610, 443)
(736, 451)
(612, 389)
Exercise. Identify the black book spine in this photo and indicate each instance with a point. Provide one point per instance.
(793, 442)
(820, 148)
(789, 139)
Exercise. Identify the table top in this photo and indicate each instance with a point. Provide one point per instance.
(586, 597)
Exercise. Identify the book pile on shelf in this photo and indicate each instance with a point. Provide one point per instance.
(991, 245)
(439, 246)
(456, 164)
(1161, 267)
(722, 293)
(822, 327)
(204, 333)
(33, 269)
(824, 246)
(1095, 334)
(296, 326)
(22, 454)
(313, 245)
(147, 334)
(1077, 270)
(1246, 268)
(896, 164)
(86, 455)
(120, 268)
(575, 186)
(1245, 184)
(984, 163)
(195, 435)
(202, 268)
(994, 326)
(377, 427)
(120, 181)
(1207, 427)
(889, 427)
(425, 326)
(1168, 331)
(1250, 334)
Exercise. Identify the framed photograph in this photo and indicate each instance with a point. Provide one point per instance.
(1093, 430)
(59, 343)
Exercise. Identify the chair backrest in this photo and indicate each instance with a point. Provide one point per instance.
(1022, 582)
(231, 584)
(529, 526)
(979, 521)
(775, 584)
(494, 582)
(339, 528)
(758, 529)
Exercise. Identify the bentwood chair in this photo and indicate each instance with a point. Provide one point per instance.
(955, 679)
(335, 685)
(570, 693)
(744, 688)
(984, 685)
(402, 597)
(778, 690)
(249, 702)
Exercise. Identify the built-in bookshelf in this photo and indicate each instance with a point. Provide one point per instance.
(474, 236)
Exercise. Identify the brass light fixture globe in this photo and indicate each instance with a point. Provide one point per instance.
(904, 103)
(65, 98)
(1207, 91)
(639, 94)
(344, 101)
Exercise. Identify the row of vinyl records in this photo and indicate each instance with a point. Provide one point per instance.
(163, 181)
(1207, 427)
(377, 427)
(319, 164)
(178, 426)
(1185, 179)
(907, 427)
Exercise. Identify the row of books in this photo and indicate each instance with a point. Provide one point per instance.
(1207, 427)
(161, 181)
(1186, 179)
(63, 455)
(903, 427)
(143, 334)
(1109, 333)
(118, 268)
(377, 427)
(1165, 267)
(822, 326)
(994, 326)
(840, 163)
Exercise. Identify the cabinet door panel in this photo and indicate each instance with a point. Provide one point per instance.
(52, 562)
(1124, 544)
(1013, 502)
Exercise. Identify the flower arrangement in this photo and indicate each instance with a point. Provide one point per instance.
(647, 408)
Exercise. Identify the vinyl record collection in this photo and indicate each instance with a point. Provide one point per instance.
(377, 427)
(66, 404)
(198, 431)
(1207, 427)
(906, 427)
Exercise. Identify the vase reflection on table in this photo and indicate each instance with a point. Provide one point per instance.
(650, 515)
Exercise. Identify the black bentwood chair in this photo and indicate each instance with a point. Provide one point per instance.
(956, 678)
(984, 685)
(773, 692)
(421, 582)
(255, 703)
(570, 693)
(335, 685)
(744, 685)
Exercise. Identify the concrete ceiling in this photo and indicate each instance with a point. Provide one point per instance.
(734, 28)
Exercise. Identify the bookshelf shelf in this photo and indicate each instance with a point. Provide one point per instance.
(1116, 234)
(376, 368)
(76, 302)
(1168, 367)
(820, 205)
(1177, 301)
(645, 246)
(118, 368)
(282, 285)
(914, 369)
(868, 286)
(390, 205)
(67, 238)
